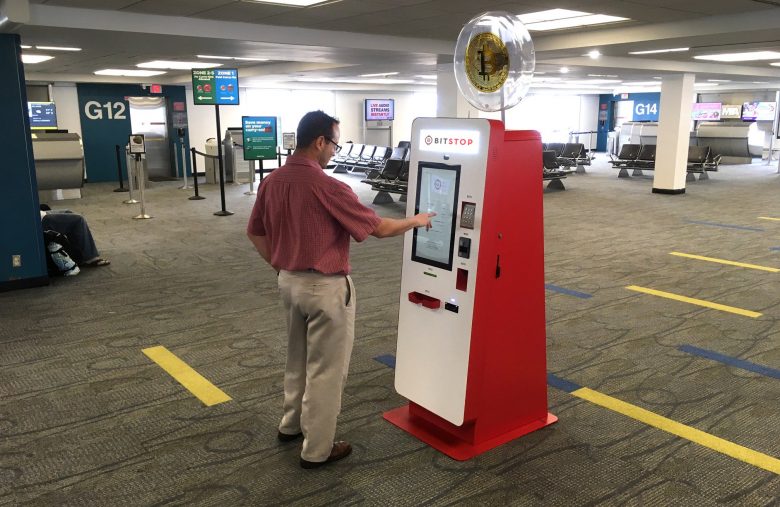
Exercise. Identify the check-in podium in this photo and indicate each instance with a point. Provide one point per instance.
(471, 354)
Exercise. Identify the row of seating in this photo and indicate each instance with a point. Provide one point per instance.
(642, 157)
(360, 158)
(393, 178)
(569, 155)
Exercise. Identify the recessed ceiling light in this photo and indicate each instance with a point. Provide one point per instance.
(129, 72)
(212, 57)
(705, 85)
(26, 47)
(380, 74)
(166, 64)
(741, 57)
(595, 54)
(426, 76)
(776, 64)
(719, 80)
(564, 70)
(653, 51)
(57, 48)
(35, 58)
(291, 3)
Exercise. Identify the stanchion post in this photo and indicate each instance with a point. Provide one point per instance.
(119, 171)
(141, 185)
(195, 197)
(278, 157)
(251, 179)
(183, 159)
(223, 212)
(131, 180)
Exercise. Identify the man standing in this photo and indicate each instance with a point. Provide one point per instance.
(301, 225)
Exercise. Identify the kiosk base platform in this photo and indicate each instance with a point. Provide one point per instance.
(449, 444)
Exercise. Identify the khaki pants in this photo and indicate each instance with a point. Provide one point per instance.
(320, 331)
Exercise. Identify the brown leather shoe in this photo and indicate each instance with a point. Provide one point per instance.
(340, 451)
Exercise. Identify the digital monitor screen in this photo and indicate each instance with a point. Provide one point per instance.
(43, 115)
(750, 111)
(437, 191)
(731, 111)
(380, 109)
(766, 111)
(706, 111)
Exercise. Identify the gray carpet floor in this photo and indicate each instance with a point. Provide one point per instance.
(87, 419)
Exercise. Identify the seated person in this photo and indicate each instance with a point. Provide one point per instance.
(75, 227)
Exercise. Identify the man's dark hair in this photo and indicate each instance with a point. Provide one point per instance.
(313, 125)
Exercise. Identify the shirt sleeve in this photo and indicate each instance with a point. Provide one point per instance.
(345, 207)
(255, 226)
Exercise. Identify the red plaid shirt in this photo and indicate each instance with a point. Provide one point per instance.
(308, 218)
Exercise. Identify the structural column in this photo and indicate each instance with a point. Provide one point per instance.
(22, 260)
(671, 159)
(450, 103)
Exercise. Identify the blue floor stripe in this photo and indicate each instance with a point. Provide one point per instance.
(568, 292)
(562, 384)
(728, 226)
(387, 360)
(731, 361)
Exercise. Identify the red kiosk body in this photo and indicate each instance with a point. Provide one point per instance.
(471, 355)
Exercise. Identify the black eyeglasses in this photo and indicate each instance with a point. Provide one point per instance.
(338, 146)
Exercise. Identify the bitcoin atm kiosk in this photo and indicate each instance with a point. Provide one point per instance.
(471, 354)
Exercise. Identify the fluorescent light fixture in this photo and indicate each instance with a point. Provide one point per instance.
(719, 80)
(595, 54)
(642, 83)
(564, 70)
(586, 82)
(57, 48)
(354, 81)
(426, 76)
(741, 57)
(591, 19)
(380, 74)
(129, 72)
(654, 51)
(169, 65)
(602, 75)
(249, 59)
(776, 64)
(705, 85)
(549, 15)
(35, 58)
(26, 47)
(291, 3)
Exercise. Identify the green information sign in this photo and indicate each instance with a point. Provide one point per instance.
(215, 87)
(259, 137)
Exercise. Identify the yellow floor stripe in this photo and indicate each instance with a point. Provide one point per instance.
(204, 390)
(723, 261)
(770, 218)
(739, 452)
(693, 301)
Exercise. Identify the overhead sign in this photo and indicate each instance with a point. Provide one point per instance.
(646, 110)
(259, 137)
(215, 86)
(450, 141)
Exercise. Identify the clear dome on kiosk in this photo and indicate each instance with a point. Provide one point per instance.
(494, 61)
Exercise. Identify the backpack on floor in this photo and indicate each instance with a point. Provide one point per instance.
(58, 261)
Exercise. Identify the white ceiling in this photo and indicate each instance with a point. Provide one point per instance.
(345, 38)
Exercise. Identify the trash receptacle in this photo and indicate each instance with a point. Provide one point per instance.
(211, 164)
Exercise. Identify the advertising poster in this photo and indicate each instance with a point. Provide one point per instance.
(259, 137)
(706, 111)
(380, 109)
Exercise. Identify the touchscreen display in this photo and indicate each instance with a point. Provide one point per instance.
(437, 191)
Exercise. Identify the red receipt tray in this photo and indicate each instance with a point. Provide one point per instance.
(426, 301)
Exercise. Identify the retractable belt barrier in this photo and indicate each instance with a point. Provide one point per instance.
(119, 170)
(131, 180)
(197, 196)
(138, 169)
